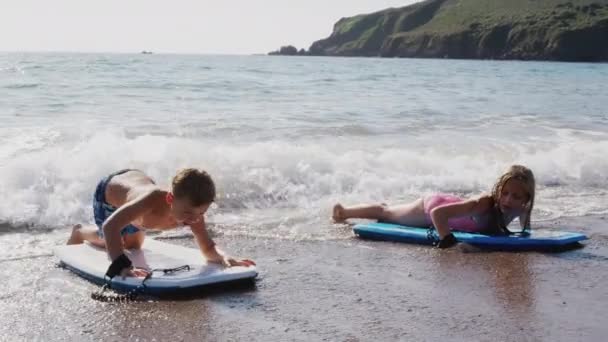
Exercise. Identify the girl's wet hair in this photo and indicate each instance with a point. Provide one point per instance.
(526, 177)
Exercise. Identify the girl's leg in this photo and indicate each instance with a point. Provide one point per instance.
(365, 211)
(410, 214)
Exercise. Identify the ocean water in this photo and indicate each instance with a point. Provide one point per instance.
(287, 137)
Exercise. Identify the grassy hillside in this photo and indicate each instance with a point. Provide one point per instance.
(501, 29)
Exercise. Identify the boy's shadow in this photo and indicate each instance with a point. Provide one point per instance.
(234, 287)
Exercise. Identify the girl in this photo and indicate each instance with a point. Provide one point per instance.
(512, 196)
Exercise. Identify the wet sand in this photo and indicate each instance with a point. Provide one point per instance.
(340, 290)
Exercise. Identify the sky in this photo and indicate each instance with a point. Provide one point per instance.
(177, 26)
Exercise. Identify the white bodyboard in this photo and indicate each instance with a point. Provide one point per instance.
(92, 263)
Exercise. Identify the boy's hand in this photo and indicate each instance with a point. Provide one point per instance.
(134, 272)
(229, 262)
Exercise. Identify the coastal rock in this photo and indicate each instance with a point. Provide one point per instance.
(288, 50)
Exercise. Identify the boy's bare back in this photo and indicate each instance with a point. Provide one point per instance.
(133, 185)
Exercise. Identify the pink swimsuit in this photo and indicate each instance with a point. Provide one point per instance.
(471, 224)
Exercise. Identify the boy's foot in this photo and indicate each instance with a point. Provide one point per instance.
(338, 213)
(75, 238)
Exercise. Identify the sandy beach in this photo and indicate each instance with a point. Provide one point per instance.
(336, 290)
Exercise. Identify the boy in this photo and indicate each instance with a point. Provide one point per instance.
(128, 201)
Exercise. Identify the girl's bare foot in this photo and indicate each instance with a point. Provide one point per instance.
(75, 238)
(338, 213)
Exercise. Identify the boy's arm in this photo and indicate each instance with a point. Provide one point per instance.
(205, 243)
(209, 250)
(441, 214)
(123, 216)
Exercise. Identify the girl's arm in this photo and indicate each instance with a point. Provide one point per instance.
(441, 214)
(523, 221)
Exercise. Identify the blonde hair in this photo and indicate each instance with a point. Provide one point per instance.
(526, 177)
(195, 185)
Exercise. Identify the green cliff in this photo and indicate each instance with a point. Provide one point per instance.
(568, 30)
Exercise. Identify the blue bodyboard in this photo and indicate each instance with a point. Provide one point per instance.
(537, 239)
